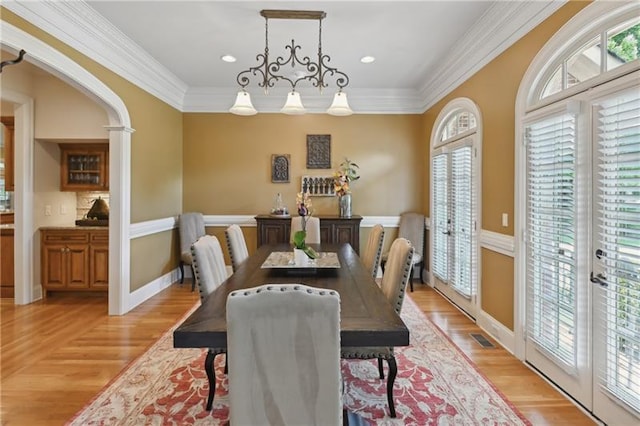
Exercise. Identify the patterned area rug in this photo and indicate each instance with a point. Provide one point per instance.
(436, 385)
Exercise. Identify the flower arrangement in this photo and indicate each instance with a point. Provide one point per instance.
(304, 206)
(346, 173)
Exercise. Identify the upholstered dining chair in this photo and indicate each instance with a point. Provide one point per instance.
(394, 282)
(313, 229)
(191, 227)
(284, 349)
(210, 272)
(236, 245)
(412, 229)
(373, 250)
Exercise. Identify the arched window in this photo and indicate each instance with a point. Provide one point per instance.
(455, 165)
(578, 211)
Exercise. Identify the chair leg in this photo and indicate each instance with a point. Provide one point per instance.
(181, 266)
(411, 279)
(226, 364)
(208, 368)
(393, 370)
(380, 368)
(193, 280)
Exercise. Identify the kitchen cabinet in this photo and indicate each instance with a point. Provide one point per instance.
(74, 259)
(6, 262)
(6, 156)
(333, 230)
(84, 166)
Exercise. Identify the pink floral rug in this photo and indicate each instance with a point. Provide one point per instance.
(436, 385)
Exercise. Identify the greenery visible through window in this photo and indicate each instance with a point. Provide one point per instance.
(585, 63)
(625, 44)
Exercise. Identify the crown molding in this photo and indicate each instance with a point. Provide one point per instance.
(364, 101)
(81, 27)
(501, 26)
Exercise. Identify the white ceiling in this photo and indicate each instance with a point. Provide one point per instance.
(172, 49)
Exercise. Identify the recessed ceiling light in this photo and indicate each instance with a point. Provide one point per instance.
(228, 58)
(367, 59)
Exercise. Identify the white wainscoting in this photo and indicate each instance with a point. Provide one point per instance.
(500, 243)
(150, 227)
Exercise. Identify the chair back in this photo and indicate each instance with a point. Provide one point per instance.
(236, 245)
(283, 344)
(208, 264)
(313, 229)
(191, 227)
(412, 228)
(373, 250)
(397, 272)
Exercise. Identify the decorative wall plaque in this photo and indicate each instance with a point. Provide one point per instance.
(280, 168)
(318, 151)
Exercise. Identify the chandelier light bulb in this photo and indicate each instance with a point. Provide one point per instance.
(340, 105)
(293, 106)
(243, 105)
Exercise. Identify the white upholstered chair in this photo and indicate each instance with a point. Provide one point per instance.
(190, 227)
(210, 272)
(394, 282)
(412, 229)
(236, 245)
(284, 356)
(373, 250)
(312, 228)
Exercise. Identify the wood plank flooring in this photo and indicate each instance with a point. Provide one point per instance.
(58, 354)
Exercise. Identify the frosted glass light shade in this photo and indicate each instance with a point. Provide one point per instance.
(243, 105)
(340, 105)
(293, 106)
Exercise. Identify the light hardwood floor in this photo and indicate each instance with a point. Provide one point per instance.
(59, 353)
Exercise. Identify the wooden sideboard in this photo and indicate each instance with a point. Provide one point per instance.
(333, 230)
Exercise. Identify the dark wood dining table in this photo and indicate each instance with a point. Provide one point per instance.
(366, 317)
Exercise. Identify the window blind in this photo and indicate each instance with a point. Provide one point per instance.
(618, 181)
(440, 217)
(551, 230)
(462, 220)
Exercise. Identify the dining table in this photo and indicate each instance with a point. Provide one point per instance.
(366, 316)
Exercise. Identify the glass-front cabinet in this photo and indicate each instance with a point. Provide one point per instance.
(85, 167)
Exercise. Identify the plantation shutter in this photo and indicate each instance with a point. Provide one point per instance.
(440, 217)
(618, 180)
(551, 229)
(462, 221)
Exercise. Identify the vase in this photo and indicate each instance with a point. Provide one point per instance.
(344, 203)
(300, 258)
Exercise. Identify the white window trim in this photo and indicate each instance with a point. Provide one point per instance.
(596, 17)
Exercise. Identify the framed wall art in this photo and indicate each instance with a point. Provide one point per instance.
(280, 168)
(318, 151)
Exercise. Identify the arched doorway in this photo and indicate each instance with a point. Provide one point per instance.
(54, 62)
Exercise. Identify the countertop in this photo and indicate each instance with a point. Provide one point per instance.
(79, 228)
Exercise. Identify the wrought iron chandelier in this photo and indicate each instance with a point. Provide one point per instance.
(270, 73)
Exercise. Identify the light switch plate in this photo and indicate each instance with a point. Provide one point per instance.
(505, 219)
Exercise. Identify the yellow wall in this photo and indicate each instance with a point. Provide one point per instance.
(227, 161)
(494, 89)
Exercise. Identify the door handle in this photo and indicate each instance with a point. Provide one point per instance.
(446, 232)
(599, 279)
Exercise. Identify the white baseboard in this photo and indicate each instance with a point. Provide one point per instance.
(497, 330)
(149, 290)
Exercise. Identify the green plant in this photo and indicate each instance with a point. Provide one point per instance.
(303, 203)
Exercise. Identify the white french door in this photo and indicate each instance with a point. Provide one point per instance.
(454, 223)
(616, 257)
(583, 250)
